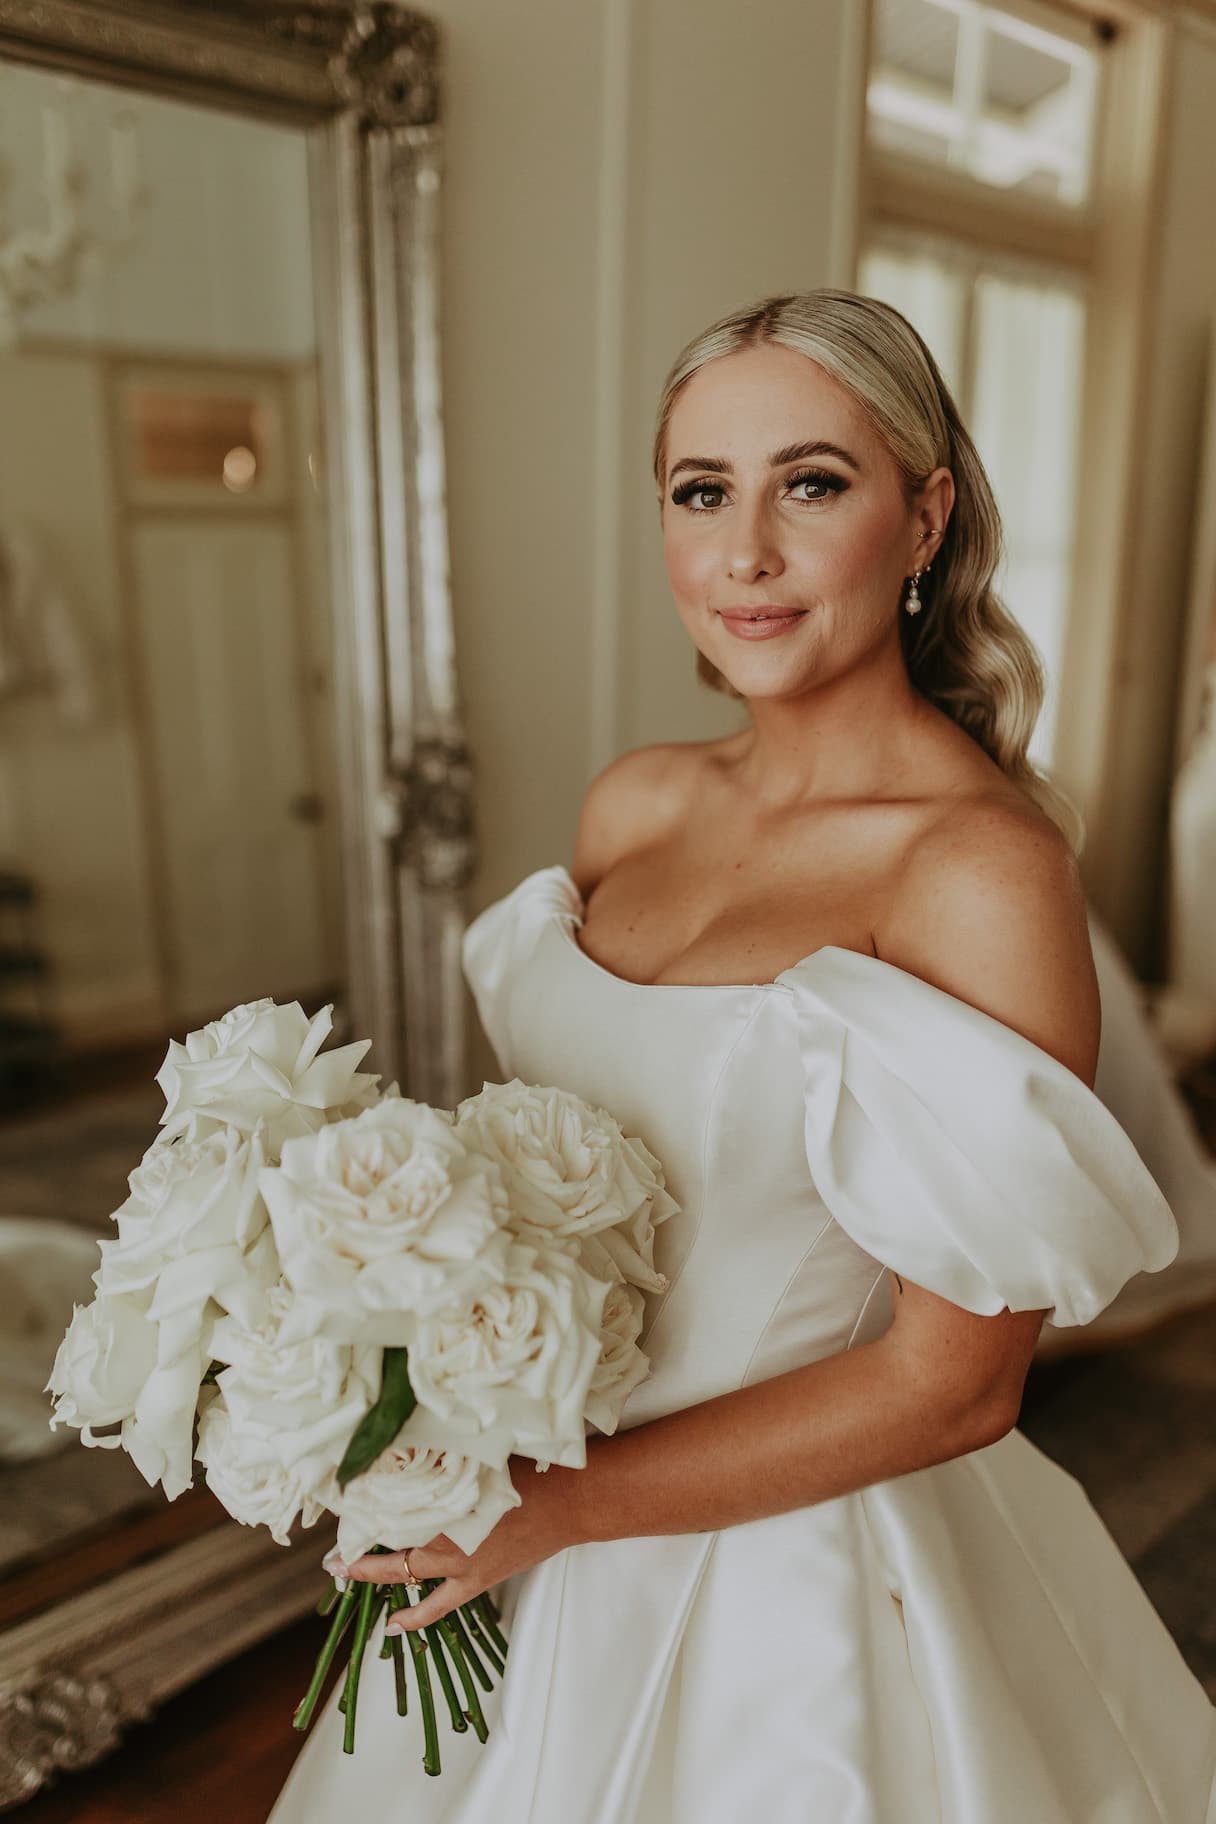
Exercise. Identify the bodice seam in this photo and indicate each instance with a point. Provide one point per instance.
(827, 1223)
(865, 1304)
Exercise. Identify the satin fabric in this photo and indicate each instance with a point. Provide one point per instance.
(962, 1645)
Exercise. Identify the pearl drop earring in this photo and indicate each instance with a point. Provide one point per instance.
(914, 603)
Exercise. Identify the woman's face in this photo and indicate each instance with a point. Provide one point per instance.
(756, 517)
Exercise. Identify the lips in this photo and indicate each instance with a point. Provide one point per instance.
(770, 611)
(760, 623)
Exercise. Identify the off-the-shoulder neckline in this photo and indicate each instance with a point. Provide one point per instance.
(837, 960)
(779, 982)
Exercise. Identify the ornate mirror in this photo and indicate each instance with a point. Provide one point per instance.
(231, 760)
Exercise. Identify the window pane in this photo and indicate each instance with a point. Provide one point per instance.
(984, 92)
(1021, 402)
(1025, 419)
(929, 293)
(1037, 125)
(910, 97)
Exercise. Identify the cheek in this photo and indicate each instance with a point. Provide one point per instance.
(690, 564)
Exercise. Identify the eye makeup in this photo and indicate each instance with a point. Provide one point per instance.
(705, 484)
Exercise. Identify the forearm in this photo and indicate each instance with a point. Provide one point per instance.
(819, 1431)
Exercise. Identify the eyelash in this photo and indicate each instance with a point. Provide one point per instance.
(834, 483)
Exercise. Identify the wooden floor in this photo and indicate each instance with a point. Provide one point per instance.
(1134, 1424)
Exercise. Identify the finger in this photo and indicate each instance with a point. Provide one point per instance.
(439, 1603)
(378, 1567)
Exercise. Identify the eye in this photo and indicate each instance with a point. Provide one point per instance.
(687, 489)
(818, 478)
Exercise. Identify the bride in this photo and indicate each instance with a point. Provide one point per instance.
(835, 970)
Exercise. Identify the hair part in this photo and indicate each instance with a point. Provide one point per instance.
(965, 653)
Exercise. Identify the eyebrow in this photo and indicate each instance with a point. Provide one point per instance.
(790, 452)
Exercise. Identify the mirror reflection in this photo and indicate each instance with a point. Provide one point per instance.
(167, 827)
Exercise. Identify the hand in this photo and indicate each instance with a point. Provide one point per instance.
(541, 1525)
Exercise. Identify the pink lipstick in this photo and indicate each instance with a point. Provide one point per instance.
(760, 623)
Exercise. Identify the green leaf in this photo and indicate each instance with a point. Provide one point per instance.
(377, 1428)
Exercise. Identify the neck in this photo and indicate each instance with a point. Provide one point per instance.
(844, 739)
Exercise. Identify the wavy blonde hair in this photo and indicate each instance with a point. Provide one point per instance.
(966, 653)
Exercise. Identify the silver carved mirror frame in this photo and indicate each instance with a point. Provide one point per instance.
(362, 81)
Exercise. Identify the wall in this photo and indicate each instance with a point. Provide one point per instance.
(618, 174)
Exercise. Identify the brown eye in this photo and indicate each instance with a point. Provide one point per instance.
(687, 490)
(818, 478)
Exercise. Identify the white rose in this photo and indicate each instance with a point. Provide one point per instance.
(571, 1171)
(409, 1496)
(610, 1262)
(262, 1061)
(190, 1229)
(510, 1369)
(622, 1365)
(381, 1217)
(108, 1371)
(191, 1293)
(254, 1485)
(629, 1251)
(102, 1364)
(159, 1436)
(304, 1399)
(193, 1193)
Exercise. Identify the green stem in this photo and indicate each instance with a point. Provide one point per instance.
(489, 1615)
(460, 1721)
(397, 1600)
(473, 1709)
(369, 1602)
(430, 1756)
(482, 1638)
(328, 1600)
(456, 1617)
(325, 1659)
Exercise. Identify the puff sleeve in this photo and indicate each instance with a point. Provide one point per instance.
(960, 1154)
(488, 959)
(497, 944)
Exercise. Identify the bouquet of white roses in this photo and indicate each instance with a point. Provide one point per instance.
(367, 1305)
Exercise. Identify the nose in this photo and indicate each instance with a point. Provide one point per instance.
(754, 545)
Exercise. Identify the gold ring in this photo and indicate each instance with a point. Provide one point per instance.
(409, 1580)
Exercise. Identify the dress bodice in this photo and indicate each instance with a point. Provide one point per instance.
(843, 1120)
(960, 1642)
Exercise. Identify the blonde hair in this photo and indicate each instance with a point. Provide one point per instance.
(966, 653)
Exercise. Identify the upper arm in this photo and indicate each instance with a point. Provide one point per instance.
(629, 802)
(991, 910)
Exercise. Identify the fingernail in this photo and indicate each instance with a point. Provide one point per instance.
(393, 1627)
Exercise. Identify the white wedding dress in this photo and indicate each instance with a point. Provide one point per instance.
(961, 1645)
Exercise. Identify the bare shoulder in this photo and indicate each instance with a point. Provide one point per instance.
(990, 907)
(633, 799)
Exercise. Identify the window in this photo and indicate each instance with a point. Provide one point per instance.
(980, 129)
(984, 91)
(1008, 339)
